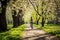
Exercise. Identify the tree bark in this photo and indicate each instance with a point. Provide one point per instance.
(37, 22)
(15, 19)
(20, 18)
(3, 24)
(43, 22)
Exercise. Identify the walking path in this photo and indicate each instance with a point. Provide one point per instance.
(36, 34)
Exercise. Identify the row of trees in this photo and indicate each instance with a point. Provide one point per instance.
(45, 10)
(17, 18)
(48, 8)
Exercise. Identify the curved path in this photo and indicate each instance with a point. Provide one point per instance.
(36, 34)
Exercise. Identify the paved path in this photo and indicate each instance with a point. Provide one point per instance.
(36, 34)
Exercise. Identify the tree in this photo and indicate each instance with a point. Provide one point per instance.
(45, 6)
(35, 5)
(20, 17)
(57, 11)
(17, 9)
(37, 21)
(15, 18)
(3, 24)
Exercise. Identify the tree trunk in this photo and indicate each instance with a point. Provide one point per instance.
(3, 24)
(43, 22)
(15, 19)
(37, 22)
(20, 18)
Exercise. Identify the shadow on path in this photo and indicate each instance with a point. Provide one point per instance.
(36, 34)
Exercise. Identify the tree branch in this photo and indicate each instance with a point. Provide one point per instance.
(35, 8)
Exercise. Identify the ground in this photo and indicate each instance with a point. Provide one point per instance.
(36, 34)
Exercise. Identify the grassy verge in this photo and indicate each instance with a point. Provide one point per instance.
(37, 26)
(13, 34)
(9, 26)
(52, 29)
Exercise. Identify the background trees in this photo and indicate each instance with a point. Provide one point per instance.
(44, 9)
(41, 11)
(57, 11)
(14, 13)
(16, 9)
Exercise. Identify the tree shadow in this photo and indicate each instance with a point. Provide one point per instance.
(38, 37)
(48, 38)
(31, 29)
(43, 37)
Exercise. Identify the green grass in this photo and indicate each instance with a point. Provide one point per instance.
(52, 29)
(13, 34)
(9, 26)
(37, 26)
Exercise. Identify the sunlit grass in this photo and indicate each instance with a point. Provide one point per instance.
(37, 26)
(13, 34)
(52, 29)
(9, 26)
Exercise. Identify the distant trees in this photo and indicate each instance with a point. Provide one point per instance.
(37, 21)
(17, 18)
(57, 11)
(20, 17)
(44, 8)
(17, 12)
(36, 5)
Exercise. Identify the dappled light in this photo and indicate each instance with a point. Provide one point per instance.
(29, 19)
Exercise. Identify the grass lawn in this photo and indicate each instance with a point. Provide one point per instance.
(37, 26)
(13, 34)
(51, 29)
(9, 26)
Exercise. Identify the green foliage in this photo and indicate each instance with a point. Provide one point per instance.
(58, 35)
(13, 34)
(37, 26)
(49, 8)
(9, 26)
(52, 29)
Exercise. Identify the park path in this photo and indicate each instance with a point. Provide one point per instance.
(36, 34)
